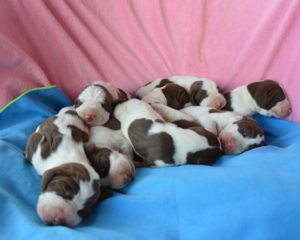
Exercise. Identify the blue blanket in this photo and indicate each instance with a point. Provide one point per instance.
(254, 195)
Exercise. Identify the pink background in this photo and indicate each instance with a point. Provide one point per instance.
(72, 43)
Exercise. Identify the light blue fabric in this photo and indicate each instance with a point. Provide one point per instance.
(254, 195)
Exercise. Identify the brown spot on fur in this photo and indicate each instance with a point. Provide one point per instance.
(227, 106)
(113, 124)
(196, 127)
(266, 93)
(249, 128)
(92, 200)
(78, 135)
(210, 137)
(206, 157)
(162, 83)
(176, 95)
(64, 180)
(48, 135)
(213, 110)
(151, 147)
(73, 113)
(197, 93)
(186, 123)
(99, 158)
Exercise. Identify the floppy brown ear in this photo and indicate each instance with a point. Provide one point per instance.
(113, 123)
(122, 96)
(98, 158)
(176, 95)
(77, 103)
(47, 178)
(78, 135)
(266, 93)
(248, 127)
(197, 93)
(32, 145)
(108, 104)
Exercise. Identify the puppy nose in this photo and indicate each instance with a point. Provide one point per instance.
(89, 118)
(219, 103)
(56, 221)
(128, 177)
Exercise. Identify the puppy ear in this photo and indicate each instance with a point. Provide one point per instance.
(176, 95)
(78, 135)
(266, 93)
(32, 145)
(65, 179)
(197, 93)
(77, 103)
(99, 159)
(107, 105)
(47, 178)
(113, 123)
(122, 96)
(248, 127)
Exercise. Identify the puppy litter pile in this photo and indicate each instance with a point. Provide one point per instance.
(173, 121)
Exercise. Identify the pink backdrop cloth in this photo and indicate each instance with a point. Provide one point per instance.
(73, 43)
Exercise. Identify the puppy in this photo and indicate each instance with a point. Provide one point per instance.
(97, 101)
(180, 91)
(164, 144)
(264, 97)
(70, 185)
(237, 133)
(111, 154)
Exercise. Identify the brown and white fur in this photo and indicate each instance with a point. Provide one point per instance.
(70, 185)
(111, 154)
(181, 91)
(237, 133)
(164, 144)
(264, 97)
(97, 101)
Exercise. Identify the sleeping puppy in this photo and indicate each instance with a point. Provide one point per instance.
(70, 185)
(111, 154)
(237, 133)
(164, 144)
(97, 101)
(264, 97)
(180, 91)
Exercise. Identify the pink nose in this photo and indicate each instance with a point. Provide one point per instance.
(89, 118)
(127, 177)
(219, 103)
(228, 144)
(56, 221)
(286, 111)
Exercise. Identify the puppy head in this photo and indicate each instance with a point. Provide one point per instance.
(242, 135)
(270, 98)
(115, 169)
(68, 193)
(206, 93)
(94, 105)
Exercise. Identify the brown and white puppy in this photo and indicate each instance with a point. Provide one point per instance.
(237, 133)
(164, 144)
(264, 97)
(181, 91)
(111, 154)
(97, 101)
(70, 185)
